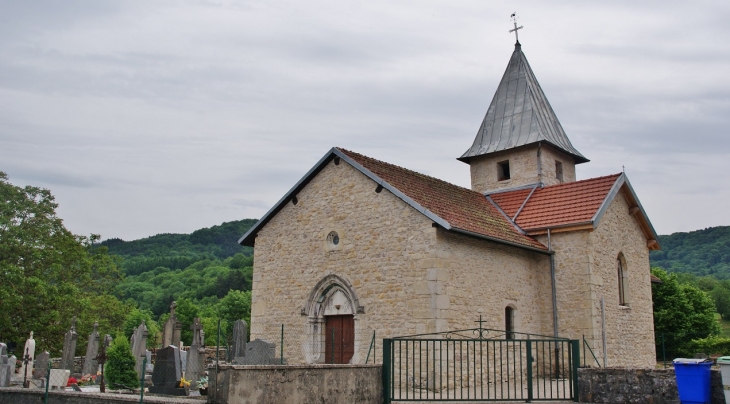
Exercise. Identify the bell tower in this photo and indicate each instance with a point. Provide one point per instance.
(520, 142)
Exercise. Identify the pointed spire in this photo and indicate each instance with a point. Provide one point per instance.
(519, 115)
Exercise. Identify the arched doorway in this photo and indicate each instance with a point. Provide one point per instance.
(331, 311)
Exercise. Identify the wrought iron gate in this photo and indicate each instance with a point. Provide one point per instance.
(480, 365)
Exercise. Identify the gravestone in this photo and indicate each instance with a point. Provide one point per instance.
(59, 378)
(69, 347)
(27, 369)
(41, 365)
(92, 349)
(172, 328)
(240, 335)
(5, 370)
(183, 359)
(260, 352)
(140, 347)
(195, 366)
(149, 367)
(9, 372)
(167, 373)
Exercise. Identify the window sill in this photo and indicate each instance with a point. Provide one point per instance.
(624, 307)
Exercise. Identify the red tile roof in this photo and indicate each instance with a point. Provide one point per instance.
(556, 205)
(462, 208)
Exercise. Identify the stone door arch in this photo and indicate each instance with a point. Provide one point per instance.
(332, 310)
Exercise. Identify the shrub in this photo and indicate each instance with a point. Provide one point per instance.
(120, 364)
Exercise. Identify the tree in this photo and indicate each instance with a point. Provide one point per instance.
(236, 305)
(134, 318)
(682, 313)
(47, 274)
(120, 364)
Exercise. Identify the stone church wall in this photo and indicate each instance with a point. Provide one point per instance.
(384, 252)
(483, 278)
(522, 164)
(523, 168)
(586, 271)
(629, 329)
(548, 157)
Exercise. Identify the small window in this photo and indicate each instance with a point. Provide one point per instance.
(503, 170)
(333, 239)
(559, 170)
(509, 322)
(621, 272)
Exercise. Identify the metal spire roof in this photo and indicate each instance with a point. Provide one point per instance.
(519, 115)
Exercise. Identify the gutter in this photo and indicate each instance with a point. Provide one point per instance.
(500, 241)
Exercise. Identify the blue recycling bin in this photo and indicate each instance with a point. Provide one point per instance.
(693, 380)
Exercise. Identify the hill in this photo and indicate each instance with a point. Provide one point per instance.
(700, 253)
(179, 251)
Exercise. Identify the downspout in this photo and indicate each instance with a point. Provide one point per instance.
(539, 167)
(555, 303)
(553, 287)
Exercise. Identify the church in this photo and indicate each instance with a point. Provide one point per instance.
(368, 248)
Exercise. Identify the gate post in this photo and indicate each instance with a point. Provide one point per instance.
(387, 358)
(529, 370)
(575, 349)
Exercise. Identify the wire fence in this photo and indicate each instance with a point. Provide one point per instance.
(689, 345)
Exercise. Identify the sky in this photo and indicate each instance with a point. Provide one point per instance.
(153, 116)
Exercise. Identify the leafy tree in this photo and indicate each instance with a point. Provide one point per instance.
(135, 318)
(236, 305)
(186, 311)
(48, 274)
(120, 364)
(701, 252)
(682, 313)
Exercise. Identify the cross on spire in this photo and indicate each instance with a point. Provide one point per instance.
(514, 20)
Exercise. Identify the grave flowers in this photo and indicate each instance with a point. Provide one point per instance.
(71, 380)
(203, 386)
(87, 379)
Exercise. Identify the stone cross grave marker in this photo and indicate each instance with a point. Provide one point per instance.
(101, 360)
(240, 335)
(92, 349)
(69, 347)
(40, 371)
(195, 365)
(139, 347)
(26, 371)
(167, 373)
(172, 328)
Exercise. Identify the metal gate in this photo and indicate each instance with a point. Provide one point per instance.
(480, 365)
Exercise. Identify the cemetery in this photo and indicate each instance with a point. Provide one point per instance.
(175, 368)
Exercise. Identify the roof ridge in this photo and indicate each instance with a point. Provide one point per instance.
(579, 182)
(408, 170)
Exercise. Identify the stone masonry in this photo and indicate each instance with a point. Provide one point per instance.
(523, 163)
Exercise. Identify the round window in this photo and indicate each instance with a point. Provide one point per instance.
(333, 238)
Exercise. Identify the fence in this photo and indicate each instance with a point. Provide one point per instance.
(479, 364)
(688, 345)
(280, 344)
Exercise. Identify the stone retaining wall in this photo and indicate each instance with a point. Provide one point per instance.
(352, 384)
(25, 396)
(620, 385)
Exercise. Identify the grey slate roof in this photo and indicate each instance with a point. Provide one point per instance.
(519, 115)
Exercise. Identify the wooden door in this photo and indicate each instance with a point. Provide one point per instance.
(339, 338)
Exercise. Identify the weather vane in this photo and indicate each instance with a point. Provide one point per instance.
(514, 20)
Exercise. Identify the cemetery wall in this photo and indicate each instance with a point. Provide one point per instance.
(356, 384)
(620, 385)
